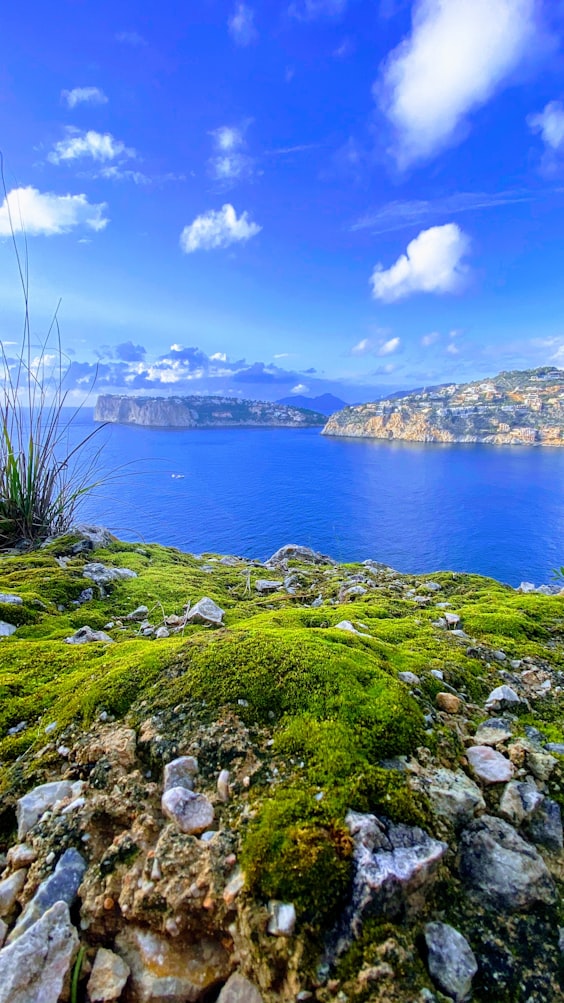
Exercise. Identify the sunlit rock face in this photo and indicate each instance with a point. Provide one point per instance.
(201, 412)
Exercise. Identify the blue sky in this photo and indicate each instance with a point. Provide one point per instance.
(293, 196)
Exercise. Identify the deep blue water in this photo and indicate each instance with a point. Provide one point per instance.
(496, 510)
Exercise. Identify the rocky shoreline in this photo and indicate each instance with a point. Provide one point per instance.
(285, 781)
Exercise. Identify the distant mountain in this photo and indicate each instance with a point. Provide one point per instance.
(520, 407)
(325, 404)
(202, 412)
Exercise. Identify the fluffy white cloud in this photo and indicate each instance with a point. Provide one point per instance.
(227, 137)
(242, 25)
(389, 347)
(45, 213)
(550, 124)
(363, 347)
(83, 95)
(300, 388)
(98, 146)
(432, 264)
(458, 54)
(217, 229)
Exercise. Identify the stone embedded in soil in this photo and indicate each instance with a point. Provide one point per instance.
(448, 702)
(206, 611)
(85, 635)
(180, 773)
(488, 765)
(294, 552)
(409, 678)
(502, 698)
(498, 865)
(238, 989)
(7, 597)
(493, 732)
(10, 888)
(7, 629)
(101, 575)
(171, 970)
(544, 826)
(453, 795)
(21, 855)
(282, 918)
(266, 585)
(32, 805)
(108, 977)
(33, 968)
(61, 886)
(191, 813)
(394, 865)
(518, 801)
(451, 961)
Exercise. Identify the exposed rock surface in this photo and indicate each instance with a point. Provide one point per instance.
(201, 412)
(205, 611)
(238, 989)
(451, 960)
(164, 969)
(33, 969)
(108, 976)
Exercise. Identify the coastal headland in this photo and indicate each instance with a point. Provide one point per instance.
(523, 407)
(276, 781)
(202, 412)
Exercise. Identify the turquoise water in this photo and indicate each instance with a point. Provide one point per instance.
(495, 510)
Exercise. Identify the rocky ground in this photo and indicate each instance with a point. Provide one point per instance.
(234, 781)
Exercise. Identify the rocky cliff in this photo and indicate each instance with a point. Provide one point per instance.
(201, 412)
(244, 782)
(513, 408)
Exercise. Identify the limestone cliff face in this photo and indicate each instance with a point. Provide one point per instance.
(517, 408)
(201, 412)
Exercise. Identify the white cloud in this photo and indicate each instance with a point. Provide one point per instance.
(550, 124)
(432, 264)
(369, 346)
(217, 229)
(389, 347)
(300, 388)
(83, 95)
(45, 213)
(98, 146)
(458, 54)
(242, 25)
(430, 339)
(452, 349)
(227, 137)
(231, 167)
(308, 10)
(218, 357)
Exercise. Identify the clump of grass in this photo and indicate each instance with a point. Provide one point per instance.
(43, 476)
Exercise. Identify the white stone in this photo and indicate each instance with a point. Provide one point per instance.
(502, 697)
(238, 989)
(6, 597)
(7, 629)
(108, 977)
(192, 813)
(180, 773)
(34, 967)
(10, 888)
(282, 918)
(85, 635)
(31, 806)
(206, 611)
(488, 765)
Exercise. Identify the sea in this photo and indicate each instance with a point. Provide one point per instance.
(419, 507)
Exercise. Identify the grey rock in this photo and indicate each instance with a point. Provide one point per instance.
(544, 826)
(488, 765)
(223, 788)
(34, 967)
(294, 552)
(394, 865)
(540, 764)
(108, 977)
(282, 920)
(85, 635)
(348, 626)
(238, 989)
(431, 586)
(452, 619)
(85, 596)
(191, 813)
(502, 698)
(499, 656)
(526, 587)
(519, 800)
(102, 575)
(229, 561)
(138, 614)
(31, 806)
(96, 536)
(354, 590)
(16, 728)
(451, 961)
(317, 602)
(493, 732)
(10, 888)
(20, 855)
(180, 773)
(7, 597)
(458, 632)
(438, 674)
(3, 931)
(453, 795)
(61, 886)
(206, 611)
(557, 747)
(409, 678)
(501, 868)
(161, 633)
(7, 629)
(266, 585)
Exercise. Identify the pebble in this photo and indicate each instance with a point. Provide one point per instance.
(10, 888)
(451, 961)
(206, 611)
(7, 629)
(223, 788)
(108, 977)
(448, 702)
(493, 732)
(180, 773)
(5, 597)
(85, 635)
(502, 698)
(192, 813)
(488, 765)
(409, 678)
